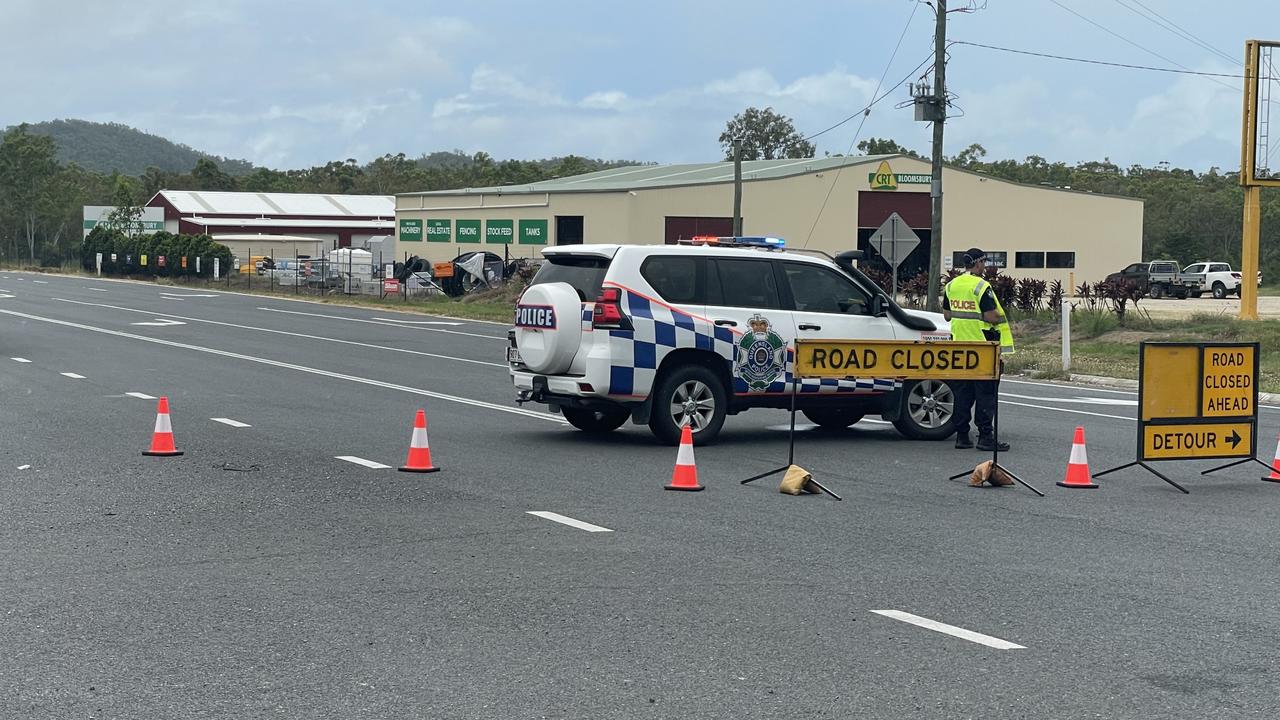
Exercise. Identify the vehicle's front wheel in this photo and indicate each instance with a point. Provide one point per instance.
(927, 409)
(834, 418)
(688, 394)
(596, 422)
(1219, 291)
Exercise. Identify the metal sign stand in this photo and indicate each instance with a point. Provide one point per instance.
(1149, 469)
(995, 450)
(791, 446)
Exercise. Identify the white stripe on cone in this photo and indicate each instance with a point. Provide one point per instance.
(162, 423)
(1078, 455)
(685, 455)
(419, 439)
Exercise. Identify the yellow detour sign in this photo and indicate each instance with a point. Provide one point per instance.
(1178, 442)
(1197, 400)
(899, 359)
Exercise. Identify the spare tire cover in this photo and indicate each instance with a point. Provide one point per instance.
(548, 326)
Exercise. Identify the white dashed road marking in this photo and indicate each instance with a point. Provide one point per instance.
(362, 461)
(24, 467)
(416, 322)
(160, 322)
(563, 520)
(952, 630)
(140, 396)
(95, 289)
(73, 376)
(42, 282)
(21, 360)
(174, 296)
(232, 423)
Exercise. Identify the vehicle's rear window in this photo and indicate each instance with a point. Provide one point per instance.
(584, 272)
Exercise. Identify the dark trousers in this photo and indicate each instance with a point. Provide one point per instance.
(976, 402)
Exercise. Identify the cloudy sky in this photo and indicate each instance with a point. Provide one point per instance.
(300, 82)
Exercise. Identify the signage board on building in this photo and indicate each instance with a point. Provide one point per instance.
(499, 231)
(410, 230)
(884, 178)
(533, 232)
(439, 230)
(468, 231)
(151, 220)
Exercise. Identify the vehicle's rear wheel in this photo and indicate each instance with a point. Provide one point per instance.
(596, 421)
(1193, 293)
(834, 418)
(927, 409)
(1219, 291)
(688, 394)
(1156, 292)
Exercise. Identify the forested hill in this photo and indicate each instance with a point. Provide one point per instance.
(107, 147)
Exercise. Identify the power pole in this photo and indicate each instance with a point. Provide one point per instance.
(939, 119)
(737, 187)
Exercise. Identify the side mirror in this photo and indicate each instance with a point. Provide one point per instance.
(879, 305)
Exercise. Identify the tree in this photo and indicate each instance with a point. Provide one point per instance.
(765, 135)
(209, 176)
(885, 146)
(969, 156)
(28, 170)
(127, 216)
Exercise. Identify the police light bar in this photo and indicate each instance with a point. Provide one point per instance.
(757, 241)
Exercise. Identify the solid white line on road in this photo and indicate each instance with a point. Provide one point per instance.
(73, 376)
(1067, 410)
(42, 282)
(160, 322)
(537, 415)
(232, 423)
(140, 396)
(21, 360)
(291, 334)
(1087, 388)
(361, 461)
(563, 520)
(388, 324)
(418, 322)
(952, 630)
(1077, 399)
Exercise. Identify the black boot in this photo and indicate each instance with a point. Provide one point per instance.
(987, 443)
(963, 442)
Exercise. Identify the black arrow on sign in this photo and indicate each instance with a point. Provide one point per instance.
(1235, 439)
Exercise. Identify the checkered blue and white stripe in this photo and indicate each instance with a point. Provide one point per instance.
(636, 354)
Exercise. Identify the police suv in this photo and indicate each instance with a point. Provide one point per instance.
(672, 334)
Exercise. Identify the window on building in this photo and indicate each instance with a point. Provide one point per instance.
(675, 278)
(1028, 259)
(748, 284)
(998, 259)
(1060, 259)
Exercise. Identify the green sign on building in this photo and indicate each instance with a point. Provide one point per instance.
(533, 232)
(468, 231)
(499, 231)
(439, 231)
(410, 230)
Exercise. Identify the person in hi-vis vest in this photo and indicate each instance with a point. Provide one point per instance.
(975, 314)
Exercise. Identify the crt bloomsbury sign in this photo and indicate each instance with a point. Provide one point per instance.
(884, 178)
(497, 232)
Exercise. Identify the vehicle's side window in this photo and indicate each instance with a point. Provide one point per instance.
(1220, 267)
(1135, 268)
(674, 278)
(747, 284)
(817, 289)
(1196, 269)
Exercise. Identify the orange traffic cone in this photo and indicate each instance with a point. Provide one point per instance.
(1275, 465)
(162, 439)
(685, 476)
(1078, 466)
(419, 460)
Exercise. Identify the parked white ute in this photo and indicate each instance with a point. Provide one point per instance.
(673, 334)
(1214, 277)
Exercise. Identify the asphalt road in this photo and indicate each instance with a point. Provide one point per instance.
(259, 576)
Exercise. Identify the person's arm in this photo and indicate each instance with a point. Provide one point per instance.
(988, 307)
(946, 309)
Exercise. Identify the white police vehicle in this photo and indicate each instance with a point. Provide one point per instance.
(675, 334)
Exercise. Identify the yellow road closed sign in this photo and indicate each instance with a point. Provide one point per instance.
(905, 359)
(1197, 440)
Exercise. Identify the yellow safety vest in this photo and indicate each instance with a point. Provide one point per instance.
(964, 296)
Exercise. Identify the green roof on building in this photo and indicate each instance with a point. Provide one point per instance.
(644, 177)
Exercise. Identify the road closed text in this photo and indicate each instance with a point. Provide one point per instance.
(889, 358)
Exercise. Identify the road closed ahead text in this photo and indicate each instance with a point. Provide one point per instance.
(890, 358)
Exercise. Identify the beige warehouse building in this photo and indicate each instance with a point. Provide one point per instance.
(829, 204)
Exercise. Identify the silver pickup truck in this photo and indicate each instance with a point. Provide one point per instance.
(1160, 278)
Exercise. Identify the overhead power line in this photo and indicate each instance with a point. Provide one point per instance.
(1179, 71)
(1113, 33)
(1176, 28)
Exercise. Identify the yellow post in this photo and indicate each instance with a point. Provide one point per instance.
(1249, 253)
